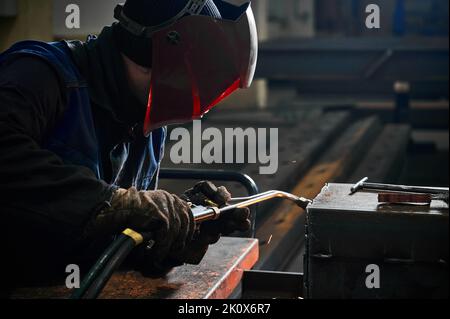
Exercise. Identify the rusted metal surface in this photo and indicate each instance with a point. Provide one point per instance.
(215, 278)
(389, 198)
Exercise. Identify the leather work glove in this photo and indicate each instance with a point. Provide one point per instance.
(206, 193)
(166, 216)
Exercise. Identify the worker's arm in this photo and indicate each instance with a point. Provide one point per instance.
(38, 188)
(36, 185)
(64, 202)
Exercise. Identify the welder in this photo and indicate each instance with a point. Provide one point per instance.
(82, 133)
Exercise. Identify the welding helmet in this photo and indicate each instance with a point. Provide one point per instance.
(197, 60)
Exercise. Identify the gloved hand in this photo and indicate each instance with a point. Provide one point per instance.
(210, 232)
(166, 216)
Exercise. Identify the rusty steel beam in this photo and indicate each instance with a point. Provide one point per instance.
(284, 230)
(383, 163)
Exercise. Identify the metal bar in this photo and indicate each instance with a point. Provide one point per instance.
(406, 189)
(300, 201)
(211, 213)
(327, 66)
(364, 185)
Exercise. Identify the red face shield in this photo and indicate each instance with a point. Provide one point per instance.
(197, 62)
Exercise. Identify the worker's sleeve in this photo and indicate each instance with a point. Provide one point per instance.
(36, 187)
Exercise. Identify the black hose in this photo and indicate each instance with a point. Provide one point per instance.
(98, 267)
(113, 264)
(117, 252)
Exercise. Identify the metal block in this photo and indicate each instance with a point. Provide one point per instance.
(345, 234)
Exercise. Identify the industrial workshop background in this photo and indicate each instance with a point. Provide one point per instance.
(349, 101)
